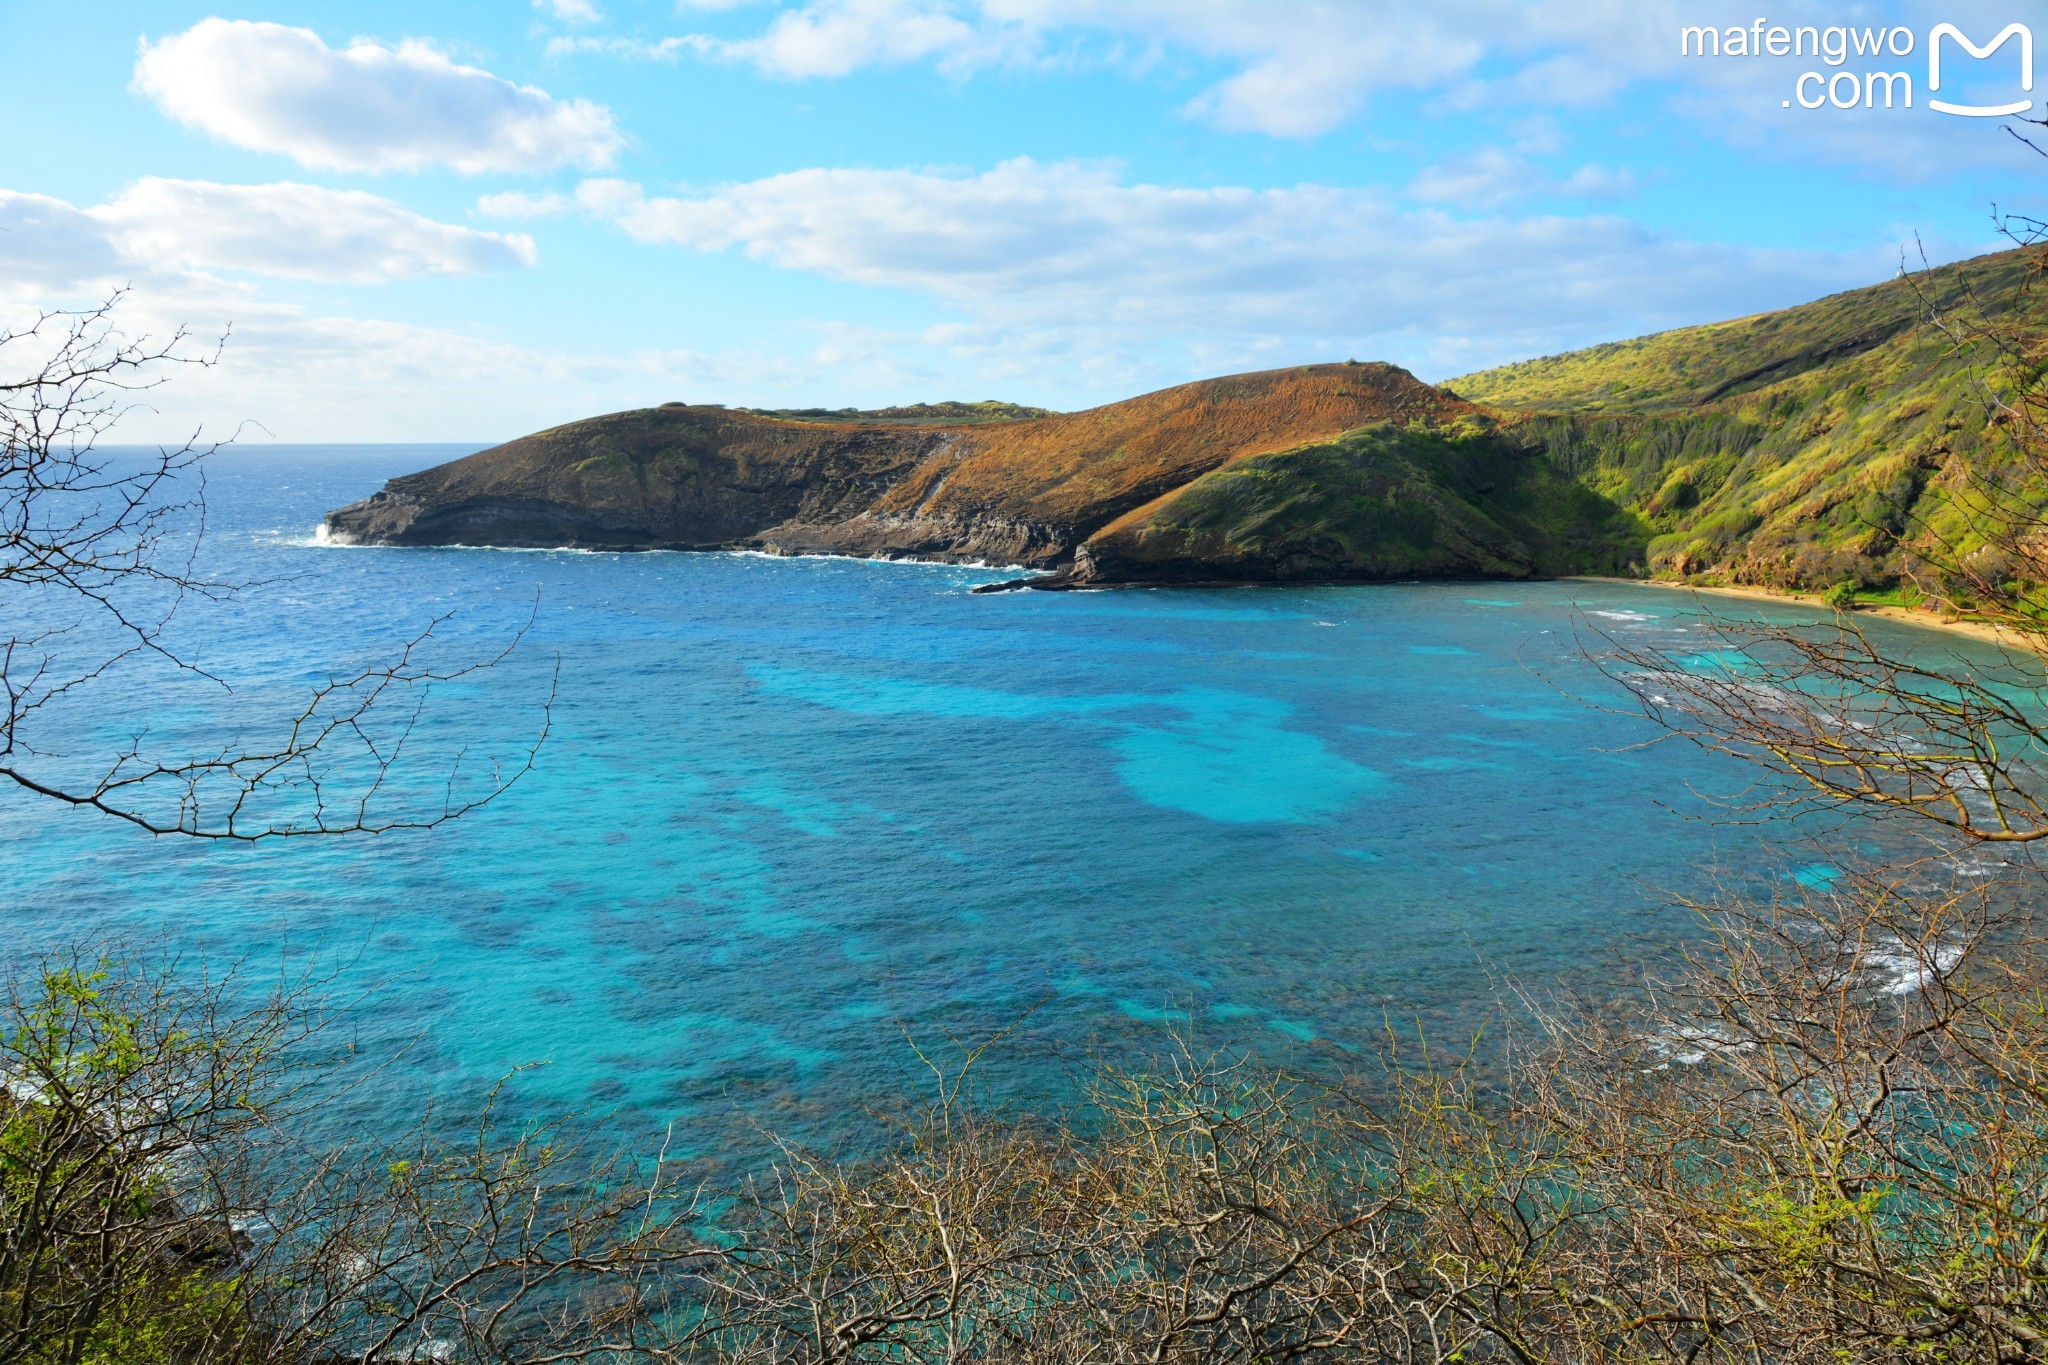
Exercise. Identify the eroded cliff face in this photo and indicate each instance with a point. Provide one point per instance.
(1027, 492)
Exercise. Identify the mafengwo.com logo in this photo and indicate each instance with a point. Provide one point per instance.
(1875, 68)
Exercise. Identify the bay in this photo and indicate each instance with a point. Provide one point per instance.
(793, 813)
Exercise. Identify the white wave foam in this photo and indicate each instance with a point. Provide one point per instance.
(325, 539)
(1905, 968)
(980, 564)
(1624, 615)
(1689, 1046)
(1678, 691)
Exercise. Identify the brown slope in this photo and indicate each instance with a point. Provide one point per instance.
(1016, 492)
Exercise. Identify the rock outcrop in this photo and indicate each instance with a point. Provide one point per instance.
(1203, 482)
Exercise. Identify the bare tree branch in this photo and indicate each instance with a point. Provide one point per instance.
(99, 553)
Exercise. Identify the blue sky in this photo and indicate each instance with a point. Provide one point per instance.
(463, 221)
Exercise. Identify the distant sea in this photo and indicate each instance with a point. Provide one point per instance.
(792, 811)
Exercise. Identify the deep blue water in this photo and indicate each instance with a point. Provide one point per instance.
(791, 807)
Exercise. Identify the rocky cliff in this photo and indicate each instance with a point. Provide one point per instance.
(1322, 472)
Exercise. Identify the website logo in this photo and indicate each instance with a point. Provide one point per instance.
(2011, 31)
(1862, 65)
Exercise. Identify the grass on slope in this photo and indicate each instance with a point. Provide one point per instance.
(1811, 448)
(1693, 366)
(951, 414)
(1385, 501)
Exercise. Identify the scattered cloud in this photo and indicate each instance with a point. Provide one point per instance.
(164, 228)
(296, 231)
(626, 49)
(1596, 181)
(515, 204)
(293, 374)
(841, 36)
(1493, 176)
(1304, 67)
(366, 107)
(298, 375)
(1071, 247)
(49, 248)
(1487, 178)
(569, 11)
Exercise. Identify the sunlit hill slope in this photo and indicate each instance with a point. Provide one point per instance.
(1803, 448)
(1812, 448)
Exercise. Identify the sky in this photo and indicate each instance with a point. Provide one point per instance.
(463, 221)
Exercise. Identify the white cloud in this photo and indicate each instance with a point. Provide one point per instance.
(1484, 179)
(628, 49)
(1071, 247)
(569, 11)
(49, 245)
(300, 376)
(366, 107)
(1597, 181)
(1493, 176)
(297, 231)
(514, 204)
(171, 228)
(841, 36)
(1302, 68)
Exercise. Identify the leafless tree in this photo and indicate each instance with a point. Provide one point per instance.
(99, 555)
(1844, 722)
(1822, 1135)
(1825, 1136)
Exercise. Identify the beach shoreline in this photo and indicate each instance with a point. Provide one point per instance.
(1929, 620)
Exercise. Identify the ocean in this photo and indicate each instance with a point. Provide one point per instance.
(794, 815)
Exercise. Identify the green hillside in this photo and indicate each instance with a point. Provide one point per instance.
(1807, 448)
(1416, 500)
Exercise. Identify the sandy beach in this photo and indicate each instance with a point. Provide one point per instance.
(1929, 620)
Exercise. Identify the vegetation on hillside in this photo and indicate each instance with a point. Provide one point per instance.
(951, 414)
(1465, 499)
(1821, 447)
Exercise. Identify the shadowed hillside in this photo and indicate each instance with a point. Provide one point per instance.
(1471, 499)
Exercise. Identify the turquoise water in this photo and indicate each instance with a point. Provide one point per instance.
(792, 808)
